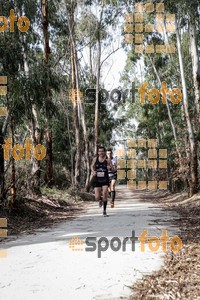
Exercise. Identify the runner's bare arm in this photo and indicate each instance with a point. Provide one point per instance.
(115, 165)
(93, 166)
(110, 166)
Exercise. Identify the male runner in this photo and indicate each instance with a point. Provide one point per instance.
(100, 166)
(112, 173)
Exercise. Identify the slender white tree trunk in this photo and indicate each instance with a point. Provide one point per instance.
(193, 181)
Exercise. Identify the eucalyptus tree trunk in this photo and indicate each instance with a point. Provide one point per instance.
(35, 131)
(98, 73)
(2, 169)
(74, 96)
(12, 185)
(3, 130)
(48, 133)
(193, 180)
(195, 68)
(82, 116)
(168, 111)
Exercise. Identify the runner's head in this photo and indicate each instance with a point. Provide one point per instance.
(101, 151)
(109, 153)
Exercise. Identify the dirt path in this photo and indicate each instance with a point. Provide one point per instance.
(43, 266)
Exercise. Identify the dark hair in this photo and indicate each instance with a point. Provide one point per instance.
(111, 153)
(102, 147)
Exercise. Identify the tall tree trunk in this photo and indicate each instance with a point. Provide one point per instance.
(2, 169)
(48, 133)
(12, 186)
(193, 181)
(96, 120)
(195, 68)
(75, 104)
(169, 113)
(36, 134)
(71, 146)
(98, 73)
(85, 134)
(35, 130)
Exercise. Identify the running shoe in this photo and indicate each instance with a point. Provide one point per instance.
(105, 214)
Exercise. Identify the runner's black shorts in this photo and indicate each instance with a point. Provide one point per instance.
(113, 177)
(100, 184)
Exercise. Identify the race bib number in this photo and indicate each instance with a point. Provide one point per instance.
(100, 174)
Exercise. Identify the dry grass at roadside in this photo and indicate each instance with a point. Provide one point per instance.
(53, 206)
(180, 276)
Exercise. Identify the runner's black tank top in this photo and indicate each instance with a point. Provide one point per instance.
(102, 170)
